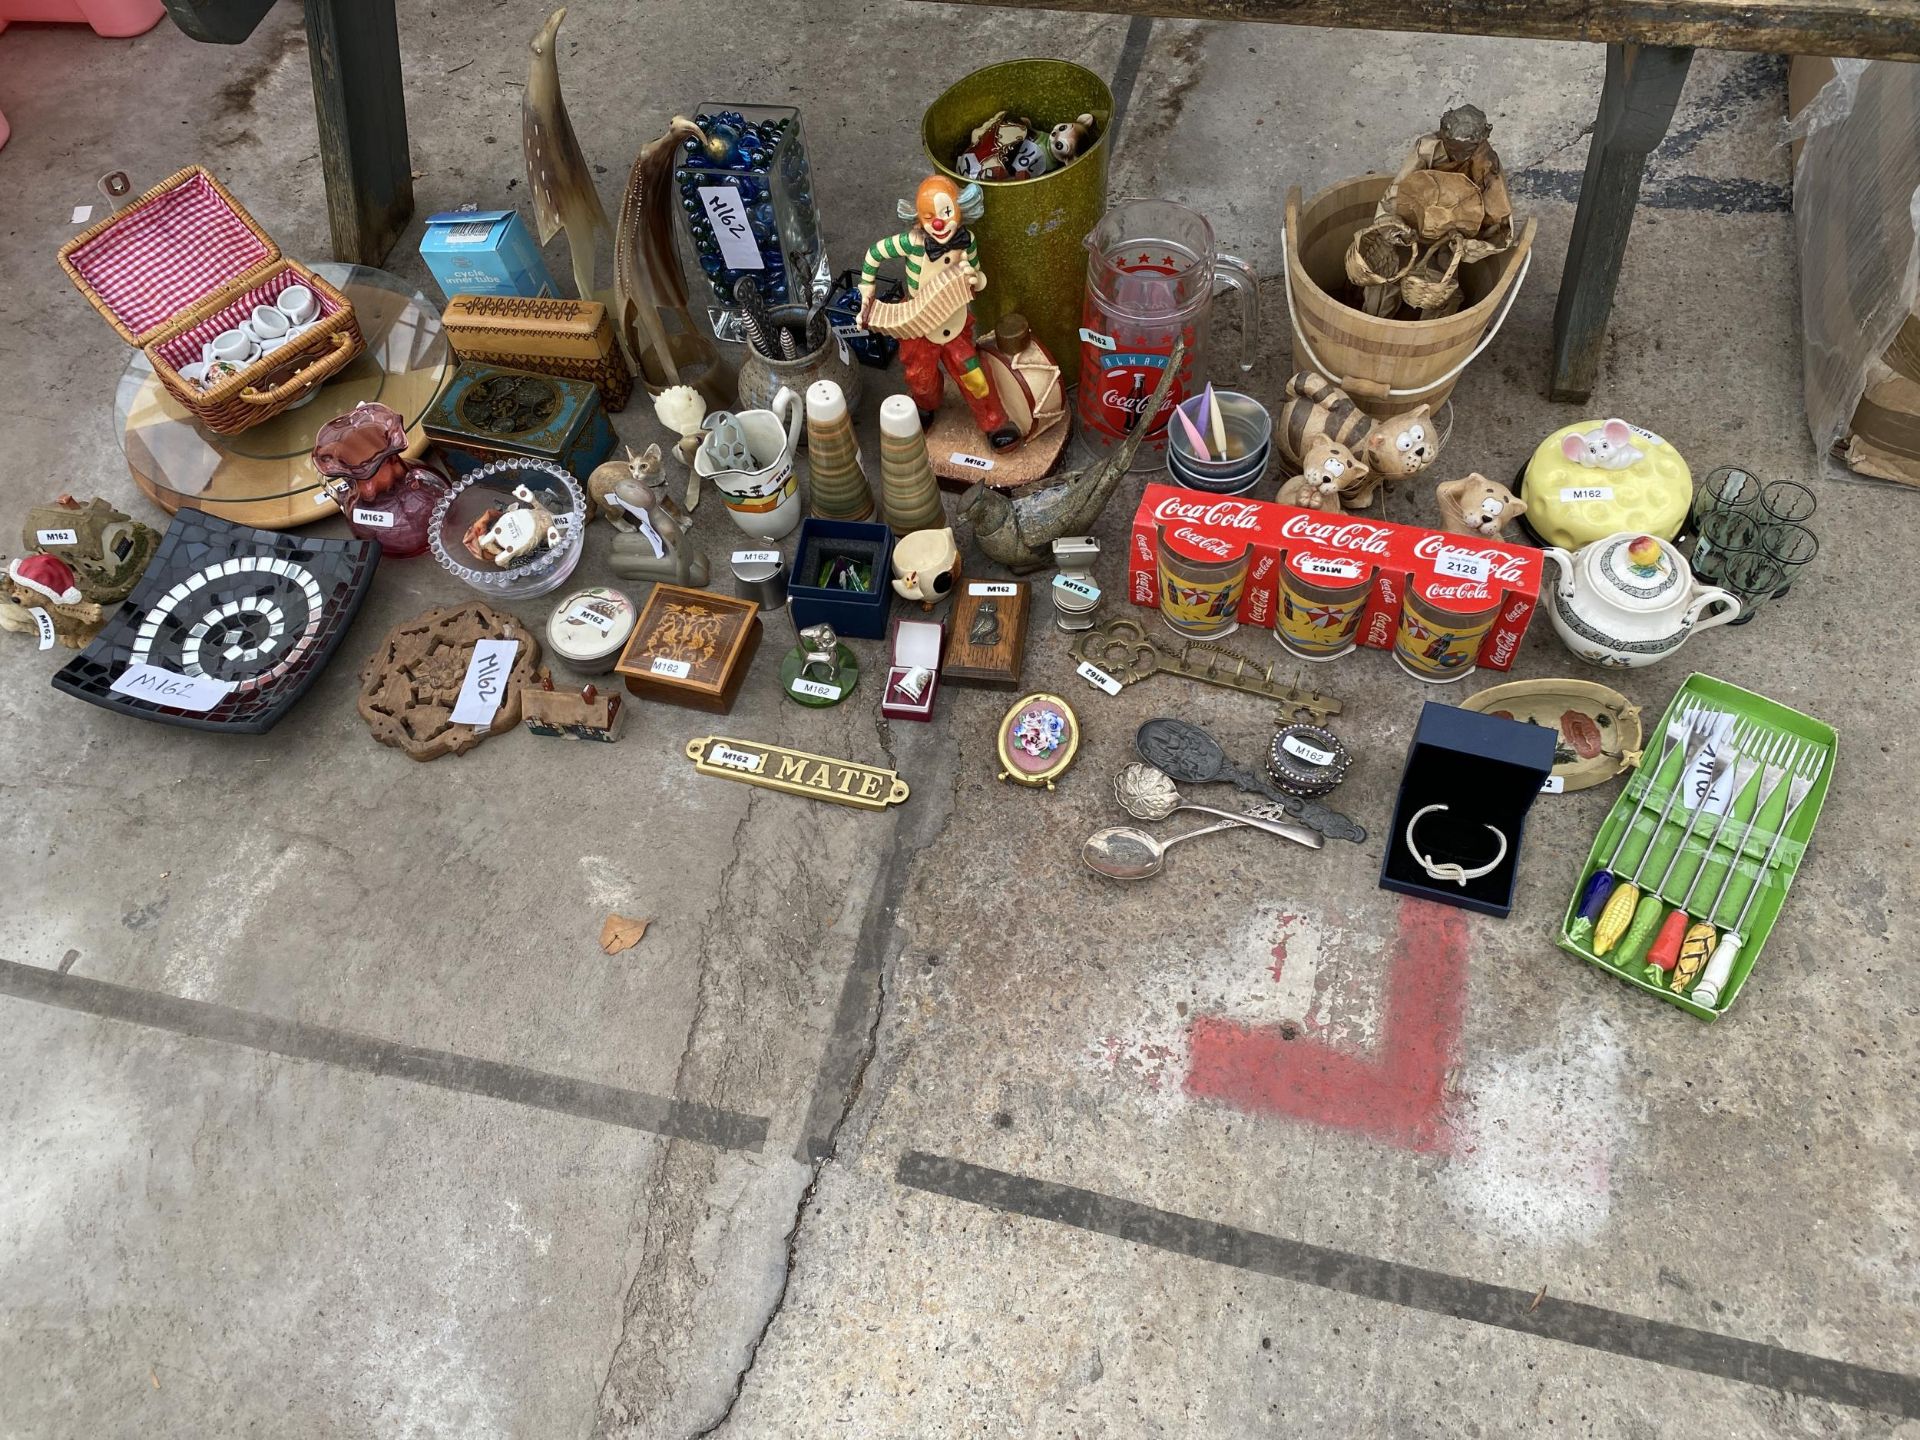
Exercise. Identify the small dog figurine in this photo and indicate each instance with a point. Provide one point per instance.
(819, 646)
(1330, 473)
(1477, 506)
(1610, 447)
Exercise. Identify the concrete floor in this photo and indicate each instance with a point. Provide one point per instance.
(985, 1201)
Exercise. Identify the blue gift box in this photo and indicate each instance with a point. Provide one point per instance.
(850, 612)
(1486, 770)
(484, 252)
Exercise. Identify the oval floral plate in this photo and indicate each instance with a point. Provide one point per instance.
(1597, 729)
(1038, 739)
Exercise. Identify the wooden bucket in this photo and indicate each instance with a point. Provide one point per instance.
(1387, 366)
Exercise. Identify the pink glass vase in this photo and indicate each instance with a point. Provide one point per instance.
(384, 495)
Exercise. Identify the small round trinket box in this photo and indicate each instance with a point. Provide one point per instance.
(590, 628)
(1307, 760)
(1038, 739)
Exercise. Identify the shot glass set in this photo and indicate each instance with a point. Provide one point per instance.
(267, 329)
(1751, 537)
(1657, 933)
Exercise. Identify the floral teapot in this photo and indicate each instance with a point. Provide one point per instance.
(1627, 600)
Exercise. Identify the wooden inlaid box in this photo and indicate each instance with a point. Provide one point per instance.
(691, 647)
(569, 338)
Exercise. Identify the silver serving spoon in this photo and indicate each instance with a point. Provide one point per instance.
(1126, 852)
(1147, 793)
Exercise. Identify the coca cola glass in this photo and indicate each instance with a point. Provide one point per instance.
(1152, 270)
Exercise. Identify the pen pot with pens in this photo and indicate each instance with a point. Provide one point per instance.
(1220, 442)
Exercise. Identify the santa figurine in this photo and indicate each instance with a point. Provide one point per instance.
(46, 575)
(934, 324)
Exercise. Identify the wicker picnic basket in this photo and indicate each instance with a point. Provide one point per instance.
(186, 261)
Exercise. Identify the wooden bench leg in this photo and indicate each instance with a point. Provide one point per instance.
(1636, 105)
(358, 97)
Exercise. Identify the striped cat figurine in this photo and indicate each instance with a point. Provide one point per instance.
(1390, 449)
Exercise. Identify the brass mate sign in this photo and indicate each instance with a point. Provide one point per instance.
(819, 777)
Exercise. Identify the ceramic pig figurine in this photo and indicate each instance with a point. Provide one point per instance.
(1477, 506)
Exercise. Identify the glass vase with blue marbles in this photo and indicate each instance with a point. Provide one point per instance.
(746, 200)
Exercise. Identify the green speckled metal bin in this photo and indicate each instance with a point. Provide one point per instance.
(1031, 238)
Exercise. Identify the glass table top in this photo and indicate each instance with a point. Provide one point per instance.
(264, 476)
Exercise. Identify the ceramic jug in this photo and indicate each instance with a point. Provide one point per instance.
(1628, 600)
(1151, 273)
(765, 500)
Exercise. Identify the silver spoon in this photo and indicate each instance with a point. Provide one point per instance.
(1148, 793)
(1126, 852)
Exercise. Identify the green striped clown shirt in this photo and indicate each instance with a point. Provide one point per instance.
(910, 246)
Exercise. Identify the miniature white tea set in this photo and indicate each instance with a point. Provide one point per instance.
(267, 329)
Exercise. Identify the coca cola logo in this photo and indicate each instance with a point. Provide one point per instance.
(1343, 535)
(1504, 644)
(1465, 590)
(1125, 404)
(1504, 567)
(1212, 544)
(1223, 514)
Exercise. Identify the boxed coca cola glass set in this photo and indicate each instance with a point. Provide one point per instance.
(1327, 584)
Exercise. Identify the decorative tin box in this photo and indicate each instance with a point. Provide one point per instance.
(489, 413)
(569, 338)
(691, 647)
(1486, 771)
(483, 252)
(842, 576)
(185, 262)
(913, 679)
(987, 642)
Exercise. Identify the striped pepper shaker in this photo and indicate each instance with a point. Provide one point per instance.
(909, 494)
(839, 489)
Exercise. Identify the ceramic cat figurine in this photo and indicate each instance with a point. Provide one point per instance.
(1610, 447)
(1390, 449)
(1477, 506)
(652, 544)
(1329, 469)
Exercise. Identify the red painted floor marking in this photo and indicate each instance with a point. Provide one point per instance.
(1398, 1095)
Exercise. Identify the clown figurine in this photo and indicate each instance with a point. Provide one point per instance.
(934, 324)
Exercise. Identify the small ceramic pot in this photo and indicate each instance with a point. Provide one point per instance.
(761, 379)
(590, 628)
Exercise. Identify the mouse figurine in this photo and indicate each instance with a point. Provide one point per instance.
(1477, 506)
(1068, 138)
(1610, 447)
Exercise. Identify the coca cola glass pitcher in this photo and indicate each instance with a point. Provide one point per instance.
(1152, 270)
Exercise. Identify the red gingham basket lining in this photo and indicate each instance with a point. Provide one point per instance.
(184, 348)
(176, 249)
